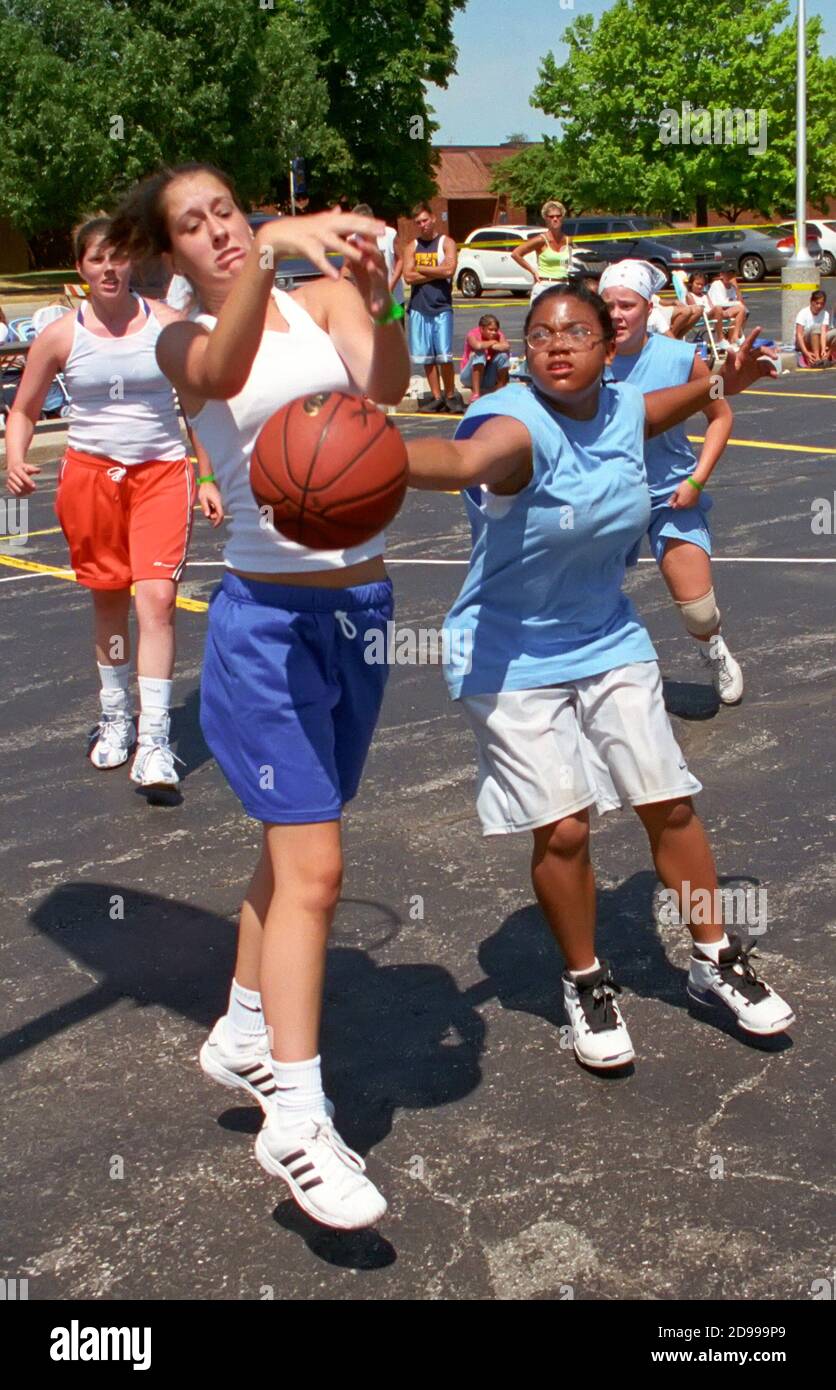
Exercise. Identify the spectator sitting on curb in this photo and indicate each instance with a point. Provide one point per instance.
(815, 340)
(486, 357)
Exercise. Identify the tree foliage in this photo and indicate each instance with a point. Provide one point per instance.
(97, 93)
(646, 56)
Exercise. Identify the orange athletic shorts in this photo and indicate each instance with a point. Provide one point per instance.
(125, 523)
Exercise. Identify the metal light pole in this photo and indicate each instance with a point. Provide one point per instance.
(800, 275)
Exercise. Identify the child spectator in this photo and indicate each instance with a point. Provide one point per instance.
(722, 293)
(814, 337)
(486, 357)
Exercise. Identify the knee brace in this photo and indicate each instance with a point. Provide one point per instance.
(701, 616)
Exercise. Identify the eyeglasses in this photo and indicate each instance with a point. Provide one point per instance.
(577, 337)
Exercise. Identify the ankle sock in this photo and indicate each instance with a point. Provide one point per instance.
(114, 681)
(299, 1094)
(576, 975)
(712, 949)
(244, 1015)
(154, 703)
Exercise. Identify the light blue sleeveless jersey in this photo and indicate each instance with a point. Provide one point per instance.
(542, 601)
(662, 362)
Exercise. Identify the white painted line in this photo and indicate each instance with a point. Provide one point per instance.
(30, 574)
(715, 560)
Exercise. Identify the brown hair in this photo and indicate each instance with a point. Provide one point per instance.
(90, 230)
(139, 228)
(362, 210)
(421, 207)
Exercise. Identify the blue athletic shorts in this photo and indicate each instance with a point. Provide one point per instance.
(497, 363)
(680, 524)
(288, 704)
(431, 336)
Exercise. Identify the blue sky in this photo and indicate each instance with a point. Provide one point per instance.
(500, 45)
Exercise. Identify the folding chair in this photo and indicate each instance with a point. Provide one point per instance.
(681, 292)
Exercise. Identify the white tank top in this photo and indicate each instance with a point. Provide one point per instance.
(301, 362)
(122, 407)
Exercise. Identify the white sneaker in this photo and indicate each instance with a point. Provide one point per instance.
(248, 1069)
(111, 741)
(734, 985)
(153, 768)
(324, 1175)
(726, 675)
(599, 1033)
(239, 1068)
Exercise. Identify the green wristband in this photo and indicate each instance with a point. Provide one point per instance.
(210, 478)
(694, 483)
(393, 313)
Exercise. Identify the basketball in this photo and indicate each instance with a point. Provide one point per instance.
(332, 468)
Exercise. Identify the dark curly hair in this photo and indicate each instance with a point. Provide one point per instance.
(584, 296)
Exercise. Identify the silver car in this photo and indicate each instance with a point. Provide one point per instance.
(752, 254)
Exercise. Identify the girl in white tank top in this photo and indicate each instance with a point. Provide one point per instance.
(288, 701)
(124, 499)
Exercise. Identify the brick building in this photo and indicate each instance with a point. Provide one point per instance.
(464, 199)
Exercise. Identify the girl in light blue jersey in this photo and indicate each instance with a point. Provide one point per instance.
(554, 670)
(678, 532)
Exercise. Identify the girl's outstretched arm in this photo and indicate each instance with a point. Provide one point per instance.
(499, 455)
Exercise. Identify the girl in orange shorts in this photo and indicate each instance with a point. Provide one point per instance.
(125, 495)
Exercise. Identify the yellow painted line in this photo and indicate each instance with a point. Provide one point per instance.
(809, 287)
(191, 605)
(798, 395)
(50, 531)
(15, 563)
(769, 444)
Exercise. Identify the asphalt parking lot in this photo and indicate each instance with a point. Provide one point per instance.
(511, 1173)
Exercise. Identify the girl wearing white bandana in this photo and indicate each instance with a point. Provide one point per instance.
(679, 534)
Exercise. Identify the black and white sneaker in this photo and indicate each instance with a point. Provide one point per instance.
(735, 987)
(599, 1033)
(324, 1175)
(456, 404)
(247, 1069)
(437, 406)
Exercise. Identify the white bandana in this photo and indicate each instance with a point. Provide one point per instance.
(640, 276)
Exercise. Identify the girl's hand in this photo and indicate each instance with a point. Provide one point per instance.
(19, 478)
(317, 234)
(742, 368)
(684, 496)
(371, 276)
(209, 500)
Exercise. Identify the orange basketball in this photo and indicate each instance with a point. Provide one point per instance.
(332, 468)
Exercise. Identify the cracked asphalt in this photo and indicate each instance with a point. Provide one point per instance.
(706, 1172)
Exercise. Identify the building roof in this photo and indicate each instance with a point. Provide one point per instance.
(465, 171)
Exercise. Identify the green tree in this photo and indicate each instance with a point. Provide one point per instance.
(376, 57)
(98, 92)
(645, 57)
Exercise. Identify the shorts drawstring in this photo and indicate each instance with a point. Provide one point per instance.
(117, 474)
(346, 625)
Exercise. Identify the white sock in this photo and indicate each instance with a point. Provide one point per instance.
(579, 974)
(114, 688)
(154, 703)
(299, 1092)
(244, 1015)
(712, 949)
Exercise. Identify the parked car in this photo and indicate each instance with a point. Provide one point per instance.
(485, 261)
(651, 239)
(825, 234)
(754, 253)
(292, 271)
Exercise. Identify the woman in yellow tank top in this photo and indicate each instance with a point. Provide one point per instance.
(554, 250)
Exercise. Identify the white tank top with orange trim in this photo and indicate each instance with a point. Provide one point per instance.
(300, 362)
(122, 406)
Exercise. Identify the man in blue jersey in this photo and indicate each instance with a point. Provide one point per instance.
(679, 535)
(429, 266)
